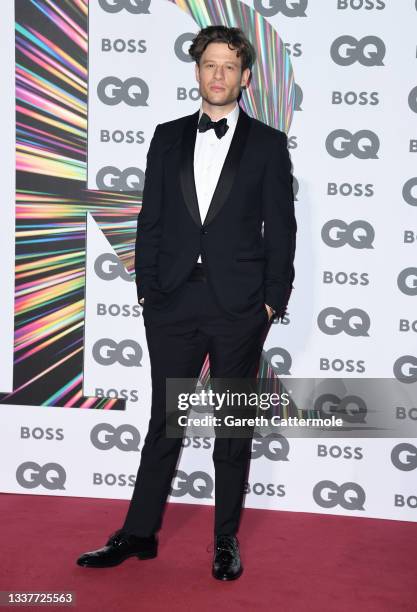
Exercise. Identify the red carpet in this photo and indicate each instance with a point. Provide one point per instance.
(293, 561)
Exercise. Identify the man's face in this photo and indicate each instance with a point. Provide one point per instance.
(219, 74)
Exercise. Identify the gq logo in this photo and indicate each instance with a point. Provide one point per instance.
(405, 369)
(127, 352)
(368, 51)
(105, 436)
(407, 281)
(179, 46)
(30, 475)
(349, 495)
(412, 100)
(134, 91)
(279, 359)
(289, 8)
(298, 96)
(197, 484)
(351, 408)
(354, 322)
(136, 7)
(108, 267)
(404, 457)
(363, 144)
(408, 191)
(111, 178)
(358, 234)
(273, 446)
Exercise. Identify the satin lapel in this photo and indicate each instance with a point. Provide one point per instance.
(187, 167)
(227, 174)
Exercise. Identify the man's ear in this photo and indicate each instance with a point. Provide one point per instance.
(197, 72)
(245, 77)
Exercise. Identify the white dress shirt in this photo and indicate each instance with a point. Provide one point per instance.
(209, 156)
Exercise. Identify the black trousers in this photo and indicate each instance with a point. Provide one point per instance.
(179, 338)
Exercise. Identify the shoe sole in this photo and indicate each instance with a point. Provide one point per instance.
(142, 556)
(226, 579)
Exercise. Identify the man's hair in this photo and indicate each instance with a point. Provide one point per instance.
(234, 37)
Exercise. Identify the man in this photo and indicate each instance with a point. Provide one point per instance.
(209, 278)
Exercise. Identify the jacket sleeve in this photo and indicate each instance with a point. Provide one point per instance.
(148, 230)
(280, 226)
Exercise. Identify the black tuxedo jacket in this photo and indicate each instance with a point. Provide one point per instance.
(244, 265)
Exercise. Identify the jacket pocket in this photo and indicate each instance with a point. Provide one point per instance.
(255, 258)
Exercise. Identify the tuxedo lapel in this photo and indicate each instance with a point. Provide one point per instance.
(227, 174)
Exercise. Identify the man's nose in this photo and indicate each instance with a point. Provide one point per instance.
(218, 73)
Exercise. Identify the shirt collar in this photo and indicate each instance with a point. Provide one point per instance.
(231, 117)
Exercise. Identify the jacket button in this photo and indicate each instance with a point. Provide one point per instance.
(203, 231)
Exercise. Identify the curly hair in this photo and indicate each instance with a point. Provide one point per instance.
(234, 37)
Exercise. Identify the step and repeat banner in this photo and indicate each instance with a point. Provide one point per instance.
(84, 86)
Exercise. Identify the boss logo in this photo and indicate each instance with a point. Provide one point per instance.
(363, 144)
(51, 476)
(356, 5)
(350, 98)
(337, 452)
(409, 237)
(118, 310)
(127, 352)
(136, 7)
(134, 91)
(197, 484)
(121, 136)
(130, 395)
(120, 45)
(196, 442)
(351, 408)
(279, 359)
(342, 365)
(407, 281)
(289, 8)
(112, 480)
(269, 489)
(105, 436)
(368, 51)
(408, 196)
(346, 189)
(405, 325)
(404, 457)
(349, 495)
(274, 447)
(401, 501)
(405, 413)
(343, 278)
(108, 267)
(294, 49)
(358, 234)
(354, 322)
(38, 433)
(405, 369)
(111, 178)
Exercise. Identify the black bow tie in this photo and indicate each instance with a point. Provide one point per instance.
(220, 127)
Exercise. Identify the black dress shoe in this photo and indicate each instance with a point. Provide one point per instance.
(120, 546)
(226, 562)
